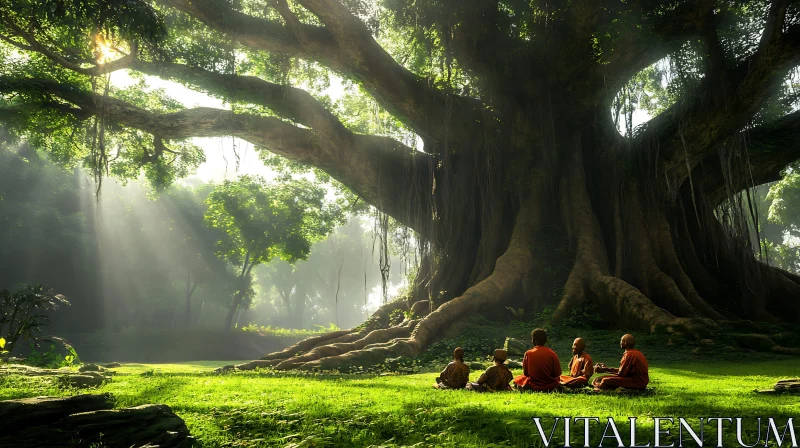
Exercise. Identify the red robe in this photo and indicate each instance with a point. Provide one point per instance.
(632, 373)
(541, 370)
(581, 368)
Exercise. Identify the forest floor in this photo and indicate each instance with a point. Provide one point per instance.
(264, 408)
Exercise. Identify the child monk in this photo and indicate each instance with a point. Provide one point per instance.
(456, 374)
(494, 378)
(581, 367)
(632, 372)
(540, 366)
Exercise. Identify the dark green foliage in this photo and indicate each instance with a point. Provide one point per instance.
(24, 312)
(52, 358)
(130, 19)
(261, 221)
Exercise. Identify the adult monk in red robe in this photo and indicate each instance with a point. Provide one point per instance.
(632, 372)
(581, 367)
(540, 366)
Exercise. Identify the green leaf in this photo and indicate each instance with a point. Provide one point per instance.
(2, 343)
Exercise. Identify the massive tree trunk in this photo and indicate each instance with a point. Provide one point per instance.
(538, 149)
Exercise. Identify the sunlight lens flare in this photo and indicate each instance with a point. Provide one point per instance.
(103, 52)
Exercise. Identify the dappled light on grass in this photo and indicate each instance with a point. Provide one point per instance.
(265, 408)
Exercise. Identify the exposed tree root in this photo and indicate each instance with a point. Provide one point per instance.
(333, 349)
(306, 344)
(378, 319)
(764, 343)
(508, 279)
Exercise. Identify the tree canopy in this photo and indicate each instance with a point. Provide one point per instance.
(260, 222)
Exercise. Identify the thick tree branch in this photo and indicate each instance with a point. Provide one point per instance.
(688, 132)
(763, 152)
(288, 102)
(10, 113)
(776, 19)
(386, 173)
(345, 45)
(715, 57)
(663, 34)
(34, 45)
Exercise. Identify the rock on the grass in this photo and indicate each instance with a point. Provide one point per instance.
(785, 386)
(512, 364)
(112, 365)
(85, 380)
(84, 420)
(69, 377)
(515, 346)
(90, 368)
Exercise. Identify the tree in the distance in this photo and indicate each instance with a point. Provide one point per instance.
(261, 222)
(192, 243)
(306, 291)
(513, 103)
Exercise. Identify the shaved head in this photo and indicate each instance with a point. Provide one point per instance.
(627, 341)
(578, 345)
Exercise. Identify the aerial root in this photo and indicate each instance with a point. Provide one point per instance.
(672, 267)
(590, 276)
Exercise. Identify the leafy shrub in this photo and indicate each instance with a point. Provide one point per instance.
(51, 358)
(396, 317)
(22, 313)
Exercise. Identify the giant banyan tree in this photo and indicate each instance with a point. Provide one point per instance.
(514, 103)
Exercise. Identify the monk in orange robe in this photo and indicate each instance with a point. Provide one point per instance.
(581, 367)
(540, 366)
(632, 372)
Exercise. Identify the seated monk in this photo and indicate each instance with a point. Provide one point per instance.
(632, 372)
(540, 366)
(456, 374)
(581, 367)
(494, 378)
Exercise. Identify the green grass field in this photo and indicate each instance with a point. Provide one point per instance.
(270, 409)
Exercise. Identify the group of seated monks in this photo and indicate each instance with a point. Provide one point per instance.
(541, 369)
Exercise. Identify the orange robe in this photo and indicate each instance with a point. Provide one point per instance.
(581, 368)
(632, 373)
(541, 370)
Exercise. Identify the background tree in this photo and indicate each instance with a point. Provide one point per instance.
(306, 290)
(262, 222)
(513, 104)
(192, 242)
